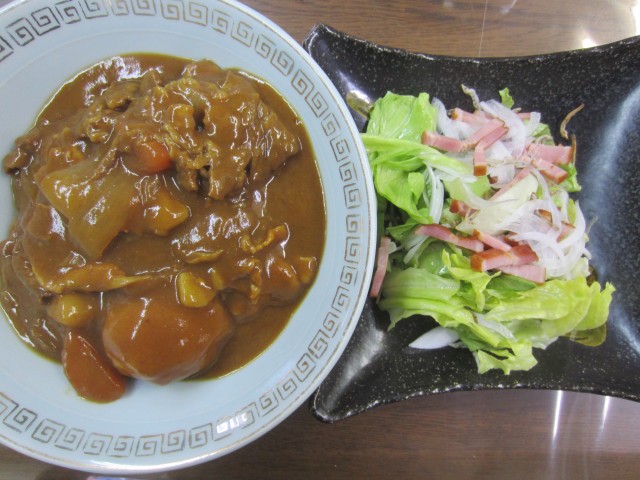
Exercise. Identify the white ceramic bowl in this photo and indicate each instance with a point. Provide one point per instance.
(44, 43)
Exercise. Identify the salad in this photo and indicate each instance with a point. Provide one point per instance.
(479, 231)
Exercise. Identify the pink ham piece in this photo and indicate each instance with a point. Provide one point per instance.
(491, 241)
(443, 233)
(556, 154)
(548, 169)
(479, 159)
(441, 142)
(489, 128)
(493, 135)
(533, 273)
(382, 261)
(496, 258)
(485, 136)
(468, 117)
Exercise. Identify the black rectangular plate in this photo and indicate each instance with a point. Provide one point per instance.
(377, 367)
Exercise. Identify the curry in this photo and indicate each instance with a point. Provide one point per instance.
(170, 220)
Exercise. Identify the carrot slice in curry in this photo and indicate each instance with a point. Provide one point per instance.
(89, 371)
(150, 157)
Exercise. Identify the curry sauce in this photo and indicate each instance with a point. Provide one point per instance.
(170, 220)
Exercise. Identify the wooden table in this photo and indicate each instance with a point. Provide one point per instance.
(522, 433)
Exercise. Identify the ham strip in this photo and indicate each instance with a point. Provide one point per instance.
(442, 142)
(533, 273)
(479, 161)
(484, 136)
(468, 117)
(443, 233)
(489, 128)
(382, 261)
(491, 241)
(556, 154)
(548, 169)
(495, 258)
(493, 136)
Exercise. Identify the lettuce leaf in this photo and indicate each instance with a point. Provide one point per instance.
(500, 330)
(505, 98)
(400, 188)
(403, 117)
(409, 156)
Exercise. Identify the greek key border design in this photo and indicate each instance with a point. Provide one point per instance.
(36, 25)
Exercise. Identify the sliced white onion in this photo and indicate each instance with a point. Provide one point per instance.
(550, 255)
(532, 123)
(412, 245)
(451, 170)
(556, 217)
(561, 197)
(473, 200)
(579, 230)
(560, 258)
(574, 245)
(437, 337)
(517, 134)
(493, 215)
(526, 219)
(445, 125)
(436, 202)
(465, 129)
(502, 174)
(498, 152)
(574, 259)
(447, 177)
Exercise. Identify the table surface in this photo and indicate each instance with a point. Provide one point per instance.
(489, 434)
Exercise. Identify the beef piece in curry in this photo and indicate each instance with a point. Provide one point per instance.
(170, 219)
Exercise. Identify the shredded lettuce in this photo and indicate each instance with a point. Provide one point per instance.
(499, 318)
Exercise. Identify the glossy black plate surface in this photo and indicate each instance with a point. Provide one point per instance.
(377, 367)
